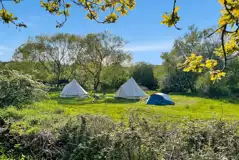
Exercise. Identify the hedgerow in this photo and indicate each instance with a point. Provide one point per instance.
(96, 137)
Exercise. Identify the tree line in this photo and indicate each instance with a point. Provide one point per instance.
(99, 61)
(61, 56)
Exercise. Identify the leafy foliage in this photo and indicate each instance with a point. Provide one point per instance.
(171, 19)
(181, 59)
(143, 74)
(99, 51)
(36, 70)
(114, 76)
(194, 63)
(178, 81)
(8, 17)
(98, 61)
(228, 27)
(205, 87)
(16, 89)
(113, 8)
(62, 54)
(175, 80)
(56, 54)
(95, 137)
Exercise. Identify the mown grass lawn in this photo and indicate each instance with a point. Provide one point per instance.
(52, 114)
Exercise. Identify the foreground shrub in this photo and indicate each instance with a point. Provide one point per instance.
(88, 138)
(95, 137)
(17, 89)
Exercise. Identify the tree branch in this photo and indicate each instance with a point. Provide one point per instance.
(223, 46)
(12, 21)
(173, 14)
(214, 32)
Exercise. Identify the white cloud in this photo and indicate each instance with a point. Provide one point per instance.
(149, 46)
(5, 49)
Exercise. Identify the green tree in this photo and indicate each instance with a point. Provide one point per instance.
(55, 53)
(194, 41)
(206, 88)
(99, 51)
(175, 80)
(159, 74)
(36, 70)
(232, 77)
(114, 76)
(143, 73)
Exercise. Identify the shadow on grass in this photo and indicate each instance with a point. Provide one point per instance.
(87, 101)
(122, 101)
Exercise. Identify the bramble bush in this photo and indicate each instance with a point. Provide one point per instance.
(17, 89)
(96, 137)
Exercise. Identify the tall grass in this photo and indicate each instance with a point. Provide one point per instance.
(53, 114)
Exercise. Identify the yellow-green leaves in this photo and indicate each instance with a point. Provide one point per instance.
(6, 16)
(123, 11)
(171, 19)
(216, 75)
(115, 8)
(130, 4)
(228, 27)
(211, 63)
(193, 63)
(196, 63)
(228, 23)
(230, 12)
(111, 18)
(57, 7)
(231, 46)
(103, 8)
(92, 15)
(52, 6)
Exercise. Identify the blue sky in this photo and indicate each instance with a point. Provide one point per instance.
(146, 37)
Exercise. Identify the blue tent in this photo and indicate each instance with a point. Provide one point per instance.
(160, 99)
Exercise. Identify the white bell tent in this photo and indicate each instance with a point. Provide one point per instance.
(130, 90)
(73, 89)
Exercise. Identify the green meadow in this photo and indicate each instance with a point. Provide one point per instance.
(54, 113)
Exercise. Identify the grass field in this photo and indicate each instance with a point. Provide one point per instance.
(52, 114)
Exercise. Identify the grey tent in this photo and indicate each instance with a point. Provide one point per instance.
(130, 90)
(73, 89)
